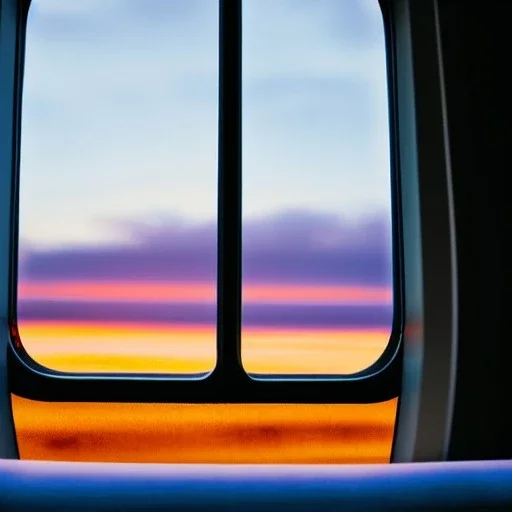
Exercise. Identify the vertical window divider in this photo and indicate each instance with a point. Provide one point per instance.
(229, 281)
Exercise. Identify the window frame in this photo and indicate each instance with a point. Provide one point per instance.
(227, 382)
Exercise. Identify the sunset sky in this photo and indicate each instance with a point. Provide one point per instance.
(118, 185)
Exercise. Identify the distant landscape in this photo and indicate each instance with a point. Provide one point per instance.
(317, 297)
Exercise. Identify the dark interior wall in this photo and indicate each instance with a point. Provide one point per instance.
(476, 42)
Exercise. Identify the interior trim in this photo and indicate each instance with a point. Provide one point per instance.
(59, 486)
(9, 129)
(430, 332)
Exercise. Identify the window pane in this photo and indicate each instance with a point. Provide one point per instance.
(117, 252)
(317, 265)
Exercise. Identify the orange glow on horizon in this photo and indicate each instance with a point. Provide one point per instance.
(154, 348)
(200, 292)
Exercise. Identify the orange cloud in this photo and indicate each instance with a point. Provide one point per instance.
(200, 292)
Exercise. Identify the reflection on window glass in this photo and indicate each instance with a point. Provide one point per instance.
(205, 433)
(317, 266)
(117, 251)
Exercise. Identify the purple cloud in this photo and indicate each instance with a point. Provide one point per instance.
(291, 247)
(294, 316)
(305, 247)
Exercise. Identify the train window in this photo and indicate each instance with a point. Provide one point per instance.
(317, 265)
(118, 237)
(118, 186)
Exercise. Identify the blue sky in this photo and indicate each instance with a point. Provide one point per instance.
(120, 114)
